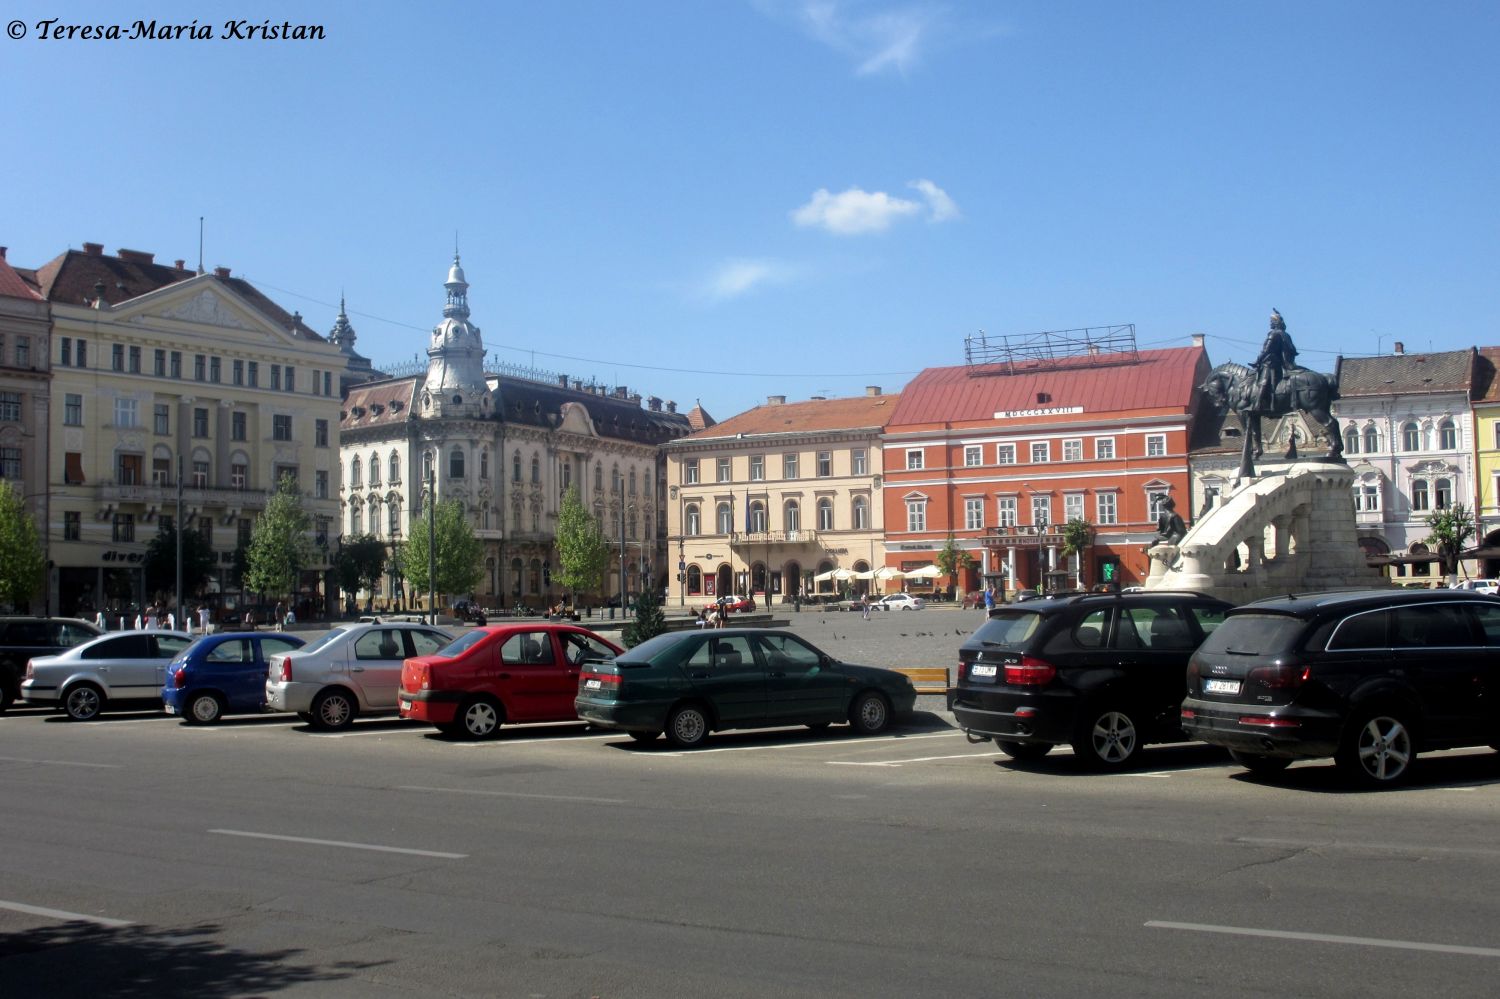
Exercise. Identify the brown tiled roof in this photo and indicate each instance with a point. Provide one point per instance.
(378, 404)
(1392, 374)
(540, 404)
(12, 285)
(1486, 385)
(1158, 379)
(866, 412)
(699, 419)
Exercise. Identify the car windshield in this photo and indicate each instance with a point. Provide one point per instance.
(1252, 635)
(328, 638)
(1009, 629)
(461, 643)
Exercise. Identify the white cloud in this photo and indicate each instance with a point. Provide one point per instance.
(734, 278)
(876, 39)
(856, 211)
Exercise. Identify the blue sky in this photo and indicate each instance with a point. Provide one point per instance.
(726, 199)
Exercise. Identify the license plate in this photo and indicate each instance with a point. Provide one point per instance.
(170, 709)
(980, 669)
(405, 704)
(592, 684)
(1221, 686)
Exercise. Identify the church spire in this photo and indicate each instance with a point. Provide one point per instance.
(457, 306)
(342, 335)
(455, 383)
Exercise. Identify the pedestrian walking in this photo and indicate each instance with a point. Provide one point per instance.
(989, 600)
(864, 606)
(203, 619)
(280, 615)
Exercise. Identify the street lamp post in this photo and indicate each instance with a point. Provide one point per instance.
(431, 543)
(180, 614)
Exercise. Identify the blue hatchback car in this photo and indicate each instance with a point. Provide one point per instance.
(222, 675)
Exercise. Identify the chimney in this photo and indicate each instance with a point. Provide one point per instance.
(94, 249)
(652, 402)
(135, 256)
(1197, 339)
(775, 400)
(2, 251)
(180, 264)
(872, 390)
(562, 381)
(671, 406)
(222, 272)
(1399, 349)
(621, 392)
(1093, 350)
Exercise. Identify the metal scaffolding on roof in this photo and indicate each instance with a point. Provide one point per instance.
(1009, 353)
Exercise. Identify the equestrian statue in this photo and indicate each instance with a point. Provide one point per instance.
(1275, 386)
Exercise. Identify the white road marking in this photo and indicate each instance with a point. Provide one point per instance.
(824, 744)
(340, 843)
(513, 794)
(897, 763)
(68, 917)
(503, 743)
(1245, 931)
(61, 763)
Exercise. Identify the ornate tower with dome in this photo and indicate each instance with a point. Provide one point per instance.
(455, 384)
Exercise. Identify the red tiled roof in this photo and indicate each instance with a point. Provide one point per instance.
(699, 419)
(12, 285)
(1159, 379)
(378, 404)
(860, 412)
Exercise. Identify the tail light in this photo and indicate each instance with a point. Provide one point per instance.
(424, 674)
(283, 670)
(29, 671)
(1268, 721)
(963, 671)
(1278, 677)
(179, 677)
(606, 684)
(1030, 672)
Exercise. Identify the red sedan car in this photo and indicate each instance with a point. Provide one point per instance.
(497, 674)
(732, 603)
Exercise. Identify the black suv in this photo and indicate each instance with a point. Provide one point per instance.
(1369, 677)
(1100, 672)
(21, 638)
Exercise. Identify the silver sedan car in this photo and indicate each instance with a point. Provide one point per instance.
(123, 666)
(353, 669)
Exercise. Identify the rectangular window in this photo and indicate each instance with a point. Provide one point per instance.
(83, 353)
(239, 476)
(789, 466)
(215, 370)
(327, 383)
(253, 374)
(914, 459)
(825, 464)
(1073, 506)
(320, 485)
(125, 413)
(286, 472)
(72, 525)
(316, 375)
(159, 363)
(65, 357)
(320, 436)
(23, 351)
(128, 470)
(1005, 511)
(723, 470)
(1368, 497)
(72, 410)
(1073, 450)
(135, 360)
(206, 528)
(200, 475)
(973, 513)
(1104, 448)
(10, 407)
(176, 364)
(237, 426)
(757, 467)
(689, 471)
(859, 461)
(161, 419)
(161, 471)
(117, 357)
(281, 427)
(916, 515)
(291, 378)
(200, 367)
(973, 455)
(1041, 451)
(243, 532)
(1005, 454)
(276, 377)
(200, 423)
(124, 527)
(1156, 445)
(1041, 510)
(10, 463)
(237, 371)
(73, 468)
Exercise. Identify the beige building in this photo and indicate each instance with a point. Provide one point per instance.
(24, 396)
(769, 499)
(157, 369)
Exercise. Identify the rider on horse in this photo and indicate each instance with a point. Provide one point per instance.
(1278, 356)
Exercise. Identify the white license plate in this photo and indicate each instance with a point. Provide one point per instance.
(980, 669)
(405, 704)
(170, 709)
(592, 684)
(1221, 686)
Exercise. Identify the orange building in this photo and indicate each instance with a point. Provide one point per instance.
(1000, 456)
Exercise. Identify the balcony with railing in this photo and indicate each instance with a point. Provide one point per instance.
(798, 537)
(244, 499)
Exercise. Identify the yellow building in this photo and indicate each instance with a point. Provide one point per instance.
(1487, 463)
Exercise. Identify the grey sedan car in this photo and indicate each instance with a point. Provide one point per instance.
(126, 666)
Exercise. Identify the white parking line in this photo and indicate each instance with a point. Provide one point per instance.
(340, 843)
(897, 763)
(67, 917)
(61, 763)
(1245, 931)
(503, 742)
(513, 794)
(809, 745)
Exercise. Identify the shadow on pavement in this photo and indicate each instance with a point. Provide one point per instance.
(82, 959)
(919, 723)
(1152, 759)
(1432, 772)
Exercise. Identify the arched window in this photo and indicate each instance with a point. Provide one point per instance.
(374, 469)
(758, 517)
(427, 469)
(354, 476)
(1351, 441)
(615, 482)
(1410, 440)
(691, 521)
(1419, 499)
(632, 482)
(456, 463)
(724, 517)
(598, 478)
(536, 470)
(395, 465)
(536, 575)
(515, 516)
(1372, 439)
(515, 467)
(374, 516)
(694, 580)
(394, 509)
(1442, 493)
(567, 474)
(646, 485)
(1447, 436)
(791, 516)
(859, 512)
(484, 463)
(825, 514)
(356, 518)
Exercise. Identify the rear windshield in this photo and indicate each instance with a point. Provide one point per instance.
(1008, 629)
(1253, 635)
(328, 638)
(466, 641)
(643, 654)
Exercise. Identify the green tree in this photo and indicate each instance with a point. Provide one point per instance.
(1451, 530)
(1077, 535)
(198, 561)
(649, 619)
(360, 563)
(279, 546)
(582, 552)
(23, 564)
(952, 560)
(460, 555)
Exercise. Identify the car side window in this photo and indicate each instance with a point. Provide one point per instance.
(783, 650)
(528, 647)
(1430, 626)
(123, 647)
(1208, 618)
(1161, 629)
(1091, 630)
(69, 635)
(167, 646)
(380, 643)
(1361, 631)
(276, 646)
(732, 653)
(27, 633)
(426, 643)
(702, 656)
(1489, 621)
(581, 647)
(233, 650)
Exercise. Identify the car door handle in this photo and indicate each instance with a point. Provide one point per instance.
(699, 674)
(782, 675)
(356, 669)
(504, 676)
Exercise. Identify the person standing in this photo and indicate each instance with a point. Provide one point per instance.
(280, 615)
(989, 600)
(203, 619)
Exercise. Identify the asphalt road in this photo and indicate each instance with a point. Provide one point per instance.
(144, 857)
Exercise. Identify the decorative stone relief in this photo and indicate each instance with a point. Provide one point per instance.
(207, 308)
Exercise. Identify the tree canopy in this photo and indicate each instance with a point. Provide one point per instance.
(953, 559)
(1451, 530)
(582, 552)
(460, 555)
(1077, 535)
(198, 561)
(360, 563)
(279, 546)
(23, 564)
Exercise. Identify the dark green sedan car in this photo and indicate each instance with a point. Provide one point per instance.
(691, 683)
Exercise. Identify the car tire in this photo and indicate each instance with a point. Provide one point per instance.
(1260, 766)
(333, 710)
(687, 726)
(1378, 749)
(644, 736)
(203, 709)
(1024, 752)
(479, 718)
(870, 713)
(83, 702)
(1108, 739)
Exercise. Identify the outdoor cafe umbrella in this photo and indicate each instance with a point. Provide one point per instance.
(926, 572)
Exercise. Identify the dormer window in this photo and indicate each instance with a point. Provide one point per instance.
(376, 409)
(396, 405)
(359, 412)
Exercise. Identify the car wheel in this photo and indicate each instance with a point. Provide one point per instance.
(1024, 751)
(1260, 766)
(203, 709)
(644, 736)
(479, 718)
(1108, 740)
(687, 726)
(870, 714)
(83, 702)
(333, 710)
(1378, 750)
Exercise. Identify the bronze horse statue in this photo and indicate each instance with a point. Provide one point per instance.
(1235, 387)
